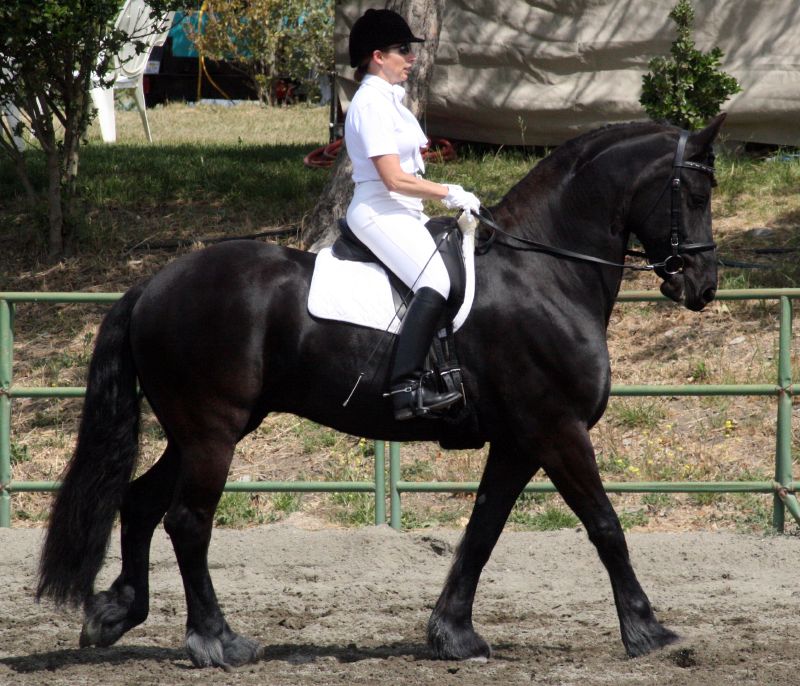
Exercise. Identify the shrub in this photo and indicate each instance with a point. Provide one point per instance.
(687, 88)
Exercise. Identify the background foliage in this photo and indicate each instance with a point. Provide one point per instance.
(687, 88)
(51, 53)
(271, 40)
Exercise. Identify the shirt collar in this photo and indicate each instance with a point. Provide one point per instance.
(396, 91)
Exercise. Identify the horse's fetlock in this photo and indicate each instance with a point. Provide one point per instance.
(641, 608)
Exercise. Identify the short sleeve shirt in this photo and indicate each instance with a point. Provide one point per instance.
(377, 123)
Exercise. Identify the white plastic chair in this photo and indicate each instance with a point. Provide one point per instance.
(11, 114)
(128, 68)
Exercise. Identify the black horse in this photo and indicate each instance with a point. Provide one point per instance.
(221, 337)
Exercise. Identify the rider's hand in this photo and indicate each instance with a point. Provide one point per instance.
(458, 198)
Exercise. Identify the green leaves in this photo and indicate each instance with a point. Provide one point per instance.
(687, 88)
(51, 51)
(271, 39)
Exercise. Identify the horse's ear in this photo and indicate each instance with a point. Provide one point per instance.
(703, 139)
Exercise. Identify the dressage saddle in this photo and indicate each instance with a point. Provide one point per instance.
(448, 238)
(445, 371)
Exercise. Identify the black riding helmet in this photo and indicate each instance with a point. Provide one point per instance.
(377, 29)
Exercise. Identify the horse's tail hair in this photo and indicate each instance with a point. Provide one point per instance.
(98, 475)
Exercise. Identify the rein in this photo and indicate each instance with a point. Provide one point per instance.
(673, 264)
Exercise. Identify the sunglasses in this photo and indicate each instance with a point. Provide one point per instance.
(401, 48)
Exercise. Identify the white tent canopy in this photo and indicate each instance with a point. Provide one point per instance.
(538, 73)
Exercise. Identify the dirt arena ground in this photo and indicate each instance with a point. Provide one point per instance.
(336, 606)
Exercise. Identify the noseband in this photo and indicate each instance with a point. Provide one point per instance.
(672, 265)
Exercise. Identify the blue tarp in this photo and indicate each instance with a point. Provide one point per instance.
(181, 45)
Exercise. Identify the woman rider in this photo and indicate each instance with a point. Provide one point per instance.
(383, 140)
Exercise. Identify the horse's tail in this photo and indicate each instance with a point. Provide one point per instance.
(96, 478)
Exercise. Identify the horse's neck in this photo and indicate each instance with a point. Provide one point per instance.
(575, 215)
(579, 212)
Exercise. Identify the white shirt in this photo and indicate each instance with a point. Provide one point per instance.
(378, 123)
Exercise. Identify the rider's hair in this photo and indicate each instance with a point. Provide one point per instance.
(361, 69)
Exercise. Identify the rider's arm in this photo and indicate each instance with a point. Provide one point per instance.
(395, 179)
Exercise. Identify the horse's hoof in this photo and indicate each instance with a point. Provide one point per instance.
(226, 652)
(240, 650)
(107, 616)
(642, 642)
(451, 642)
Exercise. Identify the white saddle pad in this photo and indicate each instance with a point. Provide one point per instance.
(359, 292)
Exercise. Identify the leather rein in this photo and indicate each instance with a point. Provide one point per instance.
(673, 264)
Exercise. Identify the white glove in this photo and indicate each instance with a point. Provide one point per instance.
(458, 198)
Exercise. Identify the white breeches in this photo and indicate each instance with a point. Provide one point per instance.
(393, 227)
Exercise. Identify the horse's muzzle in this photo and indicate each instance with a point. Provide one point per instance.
(672, 287)
(679, 290)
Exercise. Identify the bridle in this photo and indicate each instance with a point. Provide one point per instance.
(673, 264)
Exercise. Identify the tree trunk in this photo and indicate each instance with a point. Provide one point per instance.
(55, 215)
(425, 18)
(77, 123)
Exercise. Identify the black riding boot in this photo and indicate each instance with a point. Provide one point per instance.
(409, 395)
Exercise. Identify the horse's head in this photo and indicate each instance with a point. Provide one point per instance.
(670, 212)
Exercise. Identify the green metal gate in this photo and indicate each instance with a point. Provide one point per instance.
(783, 487)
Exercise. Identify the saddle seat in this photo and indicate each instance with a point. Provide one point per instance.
(449, 240)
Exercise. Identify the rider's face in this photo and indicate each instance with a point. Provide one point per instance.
(397, 62)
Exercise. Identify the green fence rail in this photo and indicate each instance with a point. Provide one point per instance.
(9, 391)
(783, 487)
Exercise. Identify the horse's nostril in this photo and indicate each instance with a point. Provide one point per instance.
(709, 294)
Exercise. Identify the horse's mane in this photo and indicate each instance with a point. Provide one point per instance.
(589, 142)
(574, 152)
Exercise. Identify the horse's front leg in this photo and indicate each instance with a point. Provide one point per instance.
(450, 631)
(210, 642)
(570, 463)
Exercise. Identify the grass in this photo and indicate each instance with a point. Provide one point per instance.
(699, 372)
(355, 464)
(286, 502)
(237, 510)
(632, 518)
(19, 454)
(637, 414)
(755, 184)
(230, 171)
(551, 518)
(657, 500)
(315, 437)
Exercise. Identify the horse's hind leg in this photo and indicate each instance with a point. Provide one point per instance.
(109, 614)
(450, 631)
(210, 642)
(570, 464)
